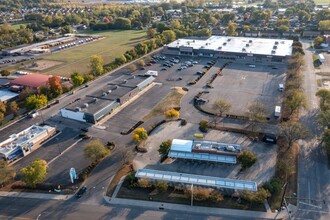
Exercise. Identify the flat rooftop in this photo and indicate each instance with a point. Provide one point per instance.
(130, 81)
(202, 147)
(93, 105)
(24, 137)
(6, 95)
(197, 179)
(261, 46)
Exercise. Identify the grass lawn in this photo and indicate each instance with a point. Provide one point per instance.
(321, 2)
(76, 59)
(17, 25)
(171, 100)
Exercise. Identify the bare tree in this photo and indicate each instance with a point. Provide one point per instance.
(293, 131)
(220, 106)
(256, 114)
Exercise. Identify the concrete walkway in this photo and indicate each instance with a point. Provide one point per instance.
(196, 209)
(35, 195)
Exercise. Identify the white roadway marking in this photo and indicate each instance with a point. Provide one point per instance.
(309, 210)
(309, 192)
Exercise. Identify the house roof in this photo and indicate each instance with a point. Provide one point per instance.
(32, 80)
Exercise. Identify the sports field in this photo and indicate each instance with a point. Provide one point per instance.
(77, 58)
(322, 2)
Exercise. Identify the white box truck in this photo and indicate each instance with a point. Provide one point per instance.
(277, 112)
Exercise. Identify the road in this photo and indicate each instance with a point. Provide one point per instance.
(82, 209)
(313, 173)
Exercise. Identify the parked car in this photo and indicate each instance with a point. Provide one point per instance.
(81, 191)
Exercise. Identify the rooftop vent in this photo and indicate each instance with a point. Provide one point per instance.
(109, 91)
(247, 45)
(104, 94)
(94, 99)
(274, 47)
(250, 41)
(243, 49)
(224, 44)
(273, 51)
(276, 42)
(229, 39)
(116, 87)
(78, 109)
(219, 48)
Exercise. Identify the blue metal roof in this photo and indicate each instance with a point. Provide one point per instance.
(197, 179)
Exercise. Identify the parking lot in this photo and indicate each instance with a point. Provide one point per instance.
(260, 172)
(242, 85)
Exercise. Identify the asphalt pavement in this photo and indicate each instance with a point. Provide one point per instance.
(313, 172)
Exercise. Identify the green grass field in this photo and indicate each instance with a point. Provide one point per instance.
(76, 59)
(16, 26)
(322, 2)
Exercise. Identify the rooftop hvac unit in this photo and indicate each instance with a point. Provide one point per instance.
(94, 99)
(250, 41)
(219, 48)
(243, 49)
(78, 109)
(273, 51)
(247, 45)
(86, 105)
(228, 39)
(276, 42)
(224, 43)
(274, 47)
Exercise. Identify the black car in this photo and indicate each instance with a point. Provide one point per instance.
(81, 191)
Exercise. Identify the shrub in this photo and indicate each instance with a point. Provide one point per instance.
(215, 196)
(247, 158)
(203, 125)
(161, 186)
(144, 183)
(164, 148)
(274, 186)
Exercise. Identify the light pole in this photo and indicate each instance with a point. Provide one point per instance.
(38, 216)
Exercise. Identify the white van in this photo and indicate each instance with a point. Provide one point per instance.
(280, 87)
(277, 112)
(151, 73)
(252, 66)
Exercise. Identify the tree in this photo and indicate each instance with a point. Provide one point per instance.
(55, 86)
(203, 125)
(36, 101)
(295, 101)
(96, 150)
(256, 197)
(34, 173)
(324, 118)
(26, 93)
(122, 23)
(221, 106)
(161, 186)
(132, 67)
(141, 62)
(7, 173)
(96, 65)
(141, 49)
(318, 41)
(14, 108)
(324, 25)
(256, 114)
(164, 148)
(274, 186)
(292, 131)
(77, 79)
(324, 96)
(152, 32)
(283, 28)
(247, 158)
(139, 134)
(4, 73)
(120, 60)
(169, 36)
(231, 29)
(172, 113)
(3, 107)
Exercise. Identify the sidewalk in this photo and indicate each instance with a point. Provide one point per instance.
(35, 195)
(196, 209)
